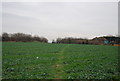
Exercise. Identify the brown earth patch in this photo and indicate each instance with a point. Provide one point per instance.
(116, 45)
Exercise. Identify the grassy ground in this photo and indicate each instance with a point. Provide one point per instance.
(58, 61)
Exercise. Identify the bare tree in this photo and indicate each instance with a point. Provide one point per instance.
(0, 38)
(5, 37)
(21, 37)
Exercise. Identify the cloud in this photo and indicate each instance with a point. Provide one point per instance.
(60, 0)
(61, 19)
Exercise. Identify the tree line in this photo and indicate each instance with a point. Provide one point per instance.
(21, 37)
(97, 40)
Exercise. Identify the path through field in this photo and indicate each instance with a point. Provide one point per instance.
(58, 65)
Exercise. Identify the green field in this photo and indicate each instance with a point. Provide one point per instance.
(58, 61)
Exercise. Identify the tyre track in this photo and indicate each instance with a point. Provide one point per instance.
(58, 65)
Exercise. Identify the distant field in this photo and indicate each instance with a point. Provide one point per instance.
(58, 61)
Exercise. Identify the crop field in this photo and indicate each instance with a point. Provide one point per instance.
(34, 60)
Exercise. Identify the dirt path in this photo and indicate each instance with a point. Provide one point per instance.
(58, 66)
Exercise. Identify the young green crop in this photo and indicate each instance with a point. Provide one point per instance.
(34, 60)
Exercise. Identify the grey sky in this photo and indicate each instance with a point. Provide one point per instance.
(61, 19)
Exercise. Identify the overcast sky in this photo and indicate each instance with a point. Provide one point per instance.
(61, 19)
